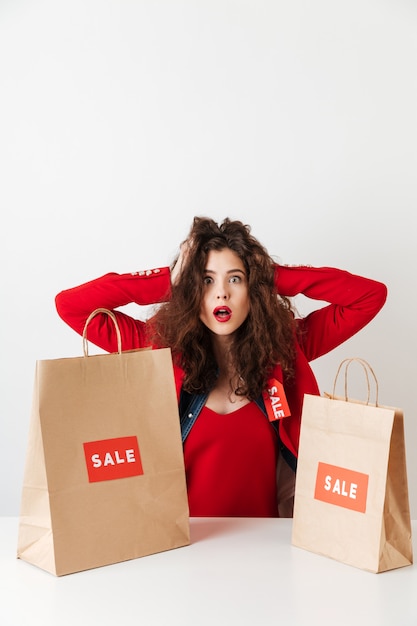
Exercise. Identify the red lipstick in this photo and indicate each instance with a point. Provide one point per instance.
(222, 313)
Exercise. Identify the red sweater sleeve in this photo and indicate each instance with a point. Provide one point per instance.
(109, 292)
(353, 302)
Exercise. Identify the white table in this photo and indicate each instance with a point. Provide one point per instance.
(235, 572)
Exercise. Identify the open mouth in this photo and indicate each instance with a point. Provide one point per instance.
(222, 313)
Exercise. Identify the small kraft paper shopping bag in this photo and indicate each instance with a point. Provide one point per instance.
(104, 480)
(351, 496)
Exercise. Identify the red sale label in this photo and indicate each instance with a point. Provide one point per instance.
(275, 401)
(109, 459)
(342, 487)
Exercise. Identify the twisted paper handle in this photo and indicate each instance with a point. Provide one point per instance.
(366, 368)
(113, 318)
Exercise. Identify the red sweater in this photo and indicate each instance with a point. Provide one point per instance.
(352, 302)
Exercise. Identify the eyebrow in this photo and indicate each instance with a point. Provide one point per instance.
(236, 271)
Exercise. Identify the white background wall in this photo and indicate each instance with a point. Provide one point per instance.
(120, 120)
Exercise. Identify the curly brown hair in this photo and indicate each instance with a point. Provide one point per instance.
(267, 336)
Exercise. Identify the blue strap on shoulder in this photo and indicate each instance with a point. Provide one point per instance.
(286, 454)
(190, 407)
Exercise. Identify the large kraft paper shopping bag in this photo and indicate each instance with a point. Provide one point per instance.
(351, 495)
(104, 480)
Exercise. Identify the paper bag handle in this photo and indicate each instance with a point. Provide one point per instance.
(366, 367)
(113, 318)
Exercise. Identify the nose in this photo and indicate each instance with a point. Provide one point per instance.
(222, 293)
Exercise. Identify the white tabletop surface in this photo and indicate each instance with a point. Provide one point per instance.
(235, 572)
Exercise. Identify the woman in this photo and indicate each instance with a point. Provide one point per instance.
(241, 357)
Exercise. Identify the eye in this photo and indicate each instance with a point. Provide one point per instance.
(235, 279)
(207, 280)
